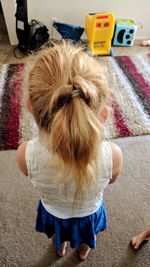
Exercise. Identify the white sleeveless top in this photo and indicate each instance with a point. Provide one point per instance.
(53, 197)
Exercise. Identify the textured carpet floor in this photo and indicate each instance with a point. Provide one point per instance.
(127, 203)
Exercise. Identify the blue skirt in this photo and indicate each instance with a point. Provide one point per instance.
(75, 230)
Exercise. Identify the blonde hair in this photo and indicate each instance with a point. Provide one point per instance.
(69, 125)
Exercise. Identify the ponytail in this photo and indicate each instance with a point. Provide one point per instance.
(75, 135)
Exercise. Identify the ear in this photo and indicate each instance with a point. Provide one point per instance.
(28, 105)
(103, 114)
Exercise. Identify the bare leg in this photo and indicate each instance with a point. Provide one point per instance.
(137, 240)
(84, 251)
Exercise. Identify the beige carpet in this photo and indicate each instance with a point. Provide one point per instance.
(127, 203)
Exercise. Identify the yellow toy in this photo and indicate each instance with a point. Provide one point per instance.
(99, 28)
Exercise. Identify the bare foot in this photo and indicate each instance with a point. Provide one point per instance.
(84, 251)
(62, 251)
(137, 240)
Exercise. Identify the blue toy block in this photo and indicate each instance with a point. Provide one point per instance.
(124, 33)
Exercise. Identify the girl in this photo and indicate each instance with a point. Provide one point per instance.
(69, 163)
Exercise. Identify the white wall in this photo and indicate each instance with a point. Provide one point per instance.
(9, 10)
(73, 11)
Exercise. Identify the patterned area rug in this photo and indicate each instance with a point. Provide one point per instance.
(128, 76)
(129, 79)
(11, 92)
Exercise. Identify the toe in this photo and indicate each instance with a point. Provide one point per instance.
(136, 246)
(133, 241)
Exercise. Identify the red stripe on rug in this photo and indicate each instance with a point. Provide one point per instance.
(119, 122)
(15, 109)
(136, 76)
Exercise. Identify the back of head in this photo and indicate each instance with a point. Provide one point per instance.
(66, 89)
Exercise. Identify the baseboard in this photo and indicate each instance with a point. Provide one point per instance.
(142, 38)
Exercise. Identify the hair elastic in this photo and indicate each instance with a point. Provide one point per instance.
(75, 93)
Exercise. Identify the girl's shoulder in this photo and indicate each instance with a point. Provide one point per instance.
(31, 153)
(21, 158)
(106, 148)
(34, 146)
(117, 160)
(111, 152)
(36, 156)
(106, 161)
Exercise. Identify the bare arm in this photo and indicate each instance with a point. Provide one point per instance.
(21, 158)
(117, 159)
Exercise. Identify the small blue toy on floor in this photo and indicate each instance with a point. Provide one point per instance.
(124, 33)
